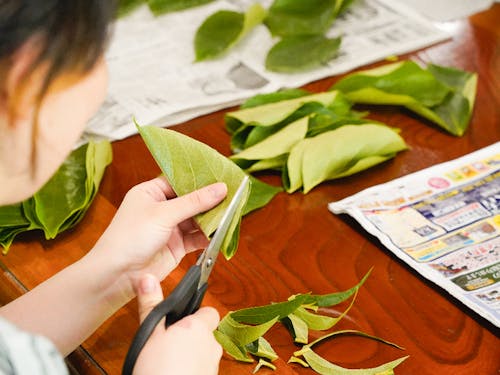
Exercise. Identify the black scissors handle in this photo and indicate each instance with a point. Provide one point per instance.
(184, 300)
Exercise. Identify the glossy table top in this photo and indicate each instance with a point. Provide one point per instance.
(295, 245)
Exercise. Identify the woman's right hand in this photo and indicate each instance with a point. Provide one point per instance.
(187, 347)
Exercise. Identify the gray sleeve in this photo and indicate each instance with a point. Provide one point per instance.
(22, 353)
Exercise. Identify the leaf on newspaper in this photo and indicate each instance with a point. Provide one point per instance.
(223, 29)
(299, 17)
(443, 95)
(63, 201)
(164, 6)
(315, 51)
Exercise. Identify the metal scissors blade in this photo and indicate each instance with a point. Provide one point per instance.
(209, 256)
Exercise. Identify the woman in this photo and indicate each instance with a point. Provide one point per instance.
(52, 80)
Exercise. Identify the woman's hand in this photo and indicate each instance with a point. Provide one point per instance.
(153, 230)
(188, 347)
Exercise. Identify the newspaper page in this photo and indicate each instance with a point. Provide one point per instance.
(444, 222)
(153, 76)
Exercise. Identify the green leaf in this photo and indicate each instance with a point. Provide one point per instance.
(128, 6)
(63, 201)
(443, 95)
(238, 353)
(332, 299)
(276, 163)
(223, 29)
(274, 97)
(402, 82)
(164, 6)
(277, 144)
(261, 348)
(299, 17)
(299, 53)
(297, 327)
(190, 165)
(243, 334)
(263, 363)
(322, 366)
(338, 153)
(272, 113)
(261, 314)
(260, 195)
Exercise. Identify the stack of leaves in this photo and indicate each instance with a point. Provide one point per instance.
(189, 165)
(442, 95)
(63, 201)
(241, 332)
(300, 25)
(310, 138)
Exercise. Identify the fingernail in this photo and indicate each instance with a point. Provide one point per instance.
(218, 190)
(148, 284)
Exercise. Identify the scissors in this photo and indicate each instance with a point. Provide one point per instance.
(186, 298)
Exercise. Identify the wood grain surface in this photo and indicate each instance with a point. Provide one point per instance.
(295, 245)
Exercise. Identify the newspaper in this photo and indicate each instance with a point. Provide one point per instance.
(153, 76)
(444, 222)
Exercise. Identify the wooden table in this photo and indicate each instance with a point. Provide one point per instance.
(295, 245)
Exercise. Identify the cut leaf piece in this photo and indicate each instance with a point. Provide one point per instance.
(261, 348)
(324, 367)
(297, 327)
(300, 53)
(243, 334)
(223, 29)
(263, 363)
(190, 165)
(261, 314)
(240, 354)
(260, 195)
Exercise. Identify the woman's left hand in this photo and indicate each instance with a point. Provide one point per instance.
(153, 229)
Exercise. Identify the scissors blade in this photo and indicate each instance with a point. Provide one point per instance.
(209, 256)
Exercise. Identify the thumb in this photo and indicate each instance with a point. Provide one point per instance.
(149, 294)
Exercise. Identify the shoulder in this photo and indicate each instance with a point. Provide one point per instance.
(24, 353)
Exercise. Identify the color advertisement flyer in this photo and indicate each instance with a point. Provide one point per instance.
(443, 221)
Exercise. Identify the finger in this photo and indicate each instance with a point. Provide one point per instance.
(149, 294)
(194, 241)
(209, 316)
(198, 201)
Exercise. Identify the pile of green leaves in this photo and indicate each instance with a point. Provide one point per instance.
(300, 25)
(189, 165)
(63, 201)
(440, 94)
(241, 332)
(310, 138)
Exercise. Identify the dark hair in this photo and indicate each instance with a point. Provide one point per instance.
(73, 33)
